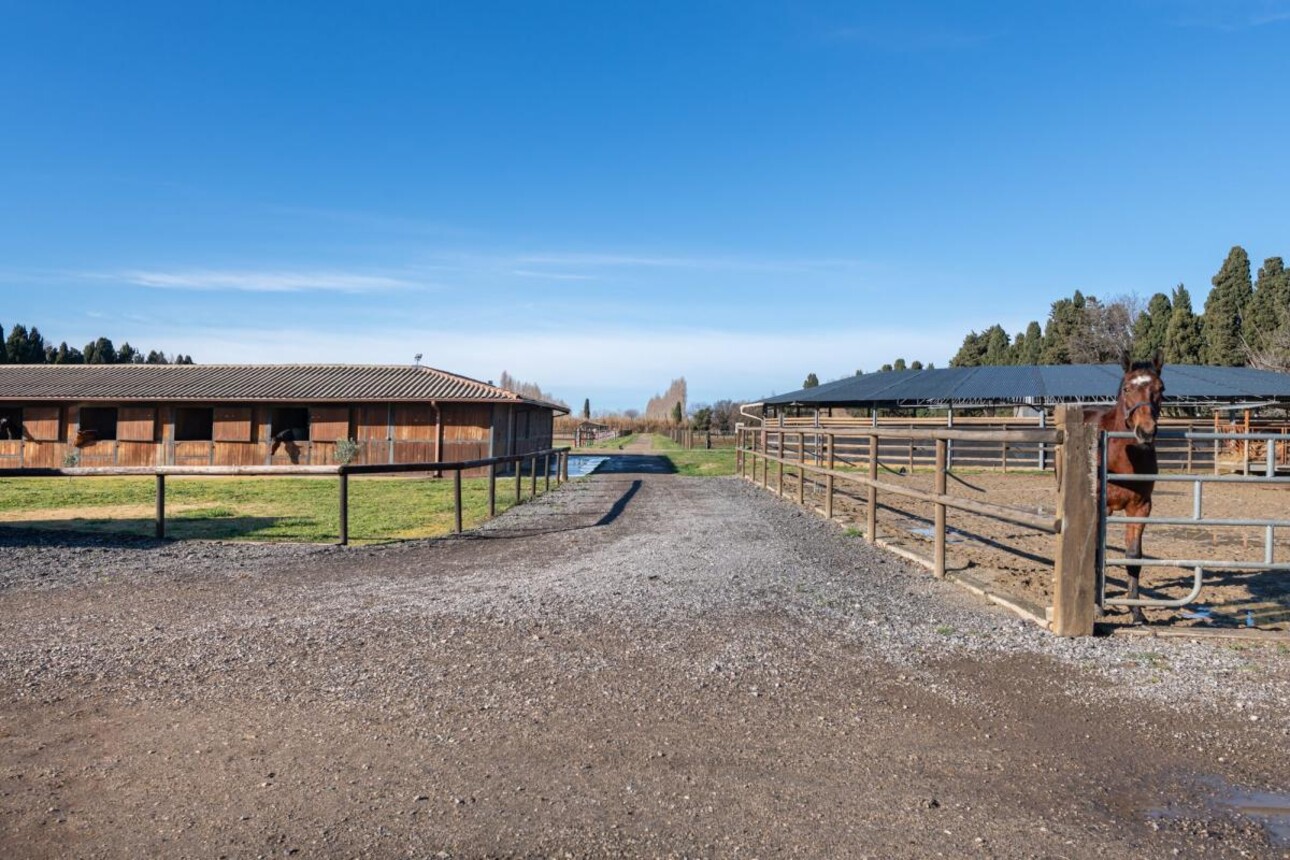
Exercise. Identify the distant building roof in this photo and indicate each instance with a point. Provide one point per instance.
(1037, 384)
(278, 383)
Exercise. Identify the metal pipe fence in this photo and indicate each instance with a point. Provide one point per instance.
(1269, 476)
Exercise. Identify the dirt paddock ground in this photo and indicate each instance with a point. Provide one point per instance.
(637, 664)
(1018, 561)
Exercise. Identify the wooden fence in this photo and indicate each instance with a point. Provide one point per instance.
(827, 455)
(688, 438)
(1175, 454)
(560, 456)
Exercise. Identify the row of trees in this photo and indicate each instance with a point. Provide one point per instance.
(531, 390)
(28, 346)
(670, 405)
(813, 381)
(1244, 322)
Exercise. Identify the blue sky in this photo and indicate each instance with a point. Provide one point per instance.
(602, 196)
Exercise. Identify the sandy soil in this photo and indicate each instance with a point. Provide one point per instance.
(1016, 560)
(634, 665)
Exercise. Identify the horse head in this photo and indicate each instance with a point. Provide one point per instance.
(1141, 393)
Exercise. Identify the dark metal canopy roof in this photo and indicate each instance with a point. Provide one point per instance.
(1037, 384)
(277, 383)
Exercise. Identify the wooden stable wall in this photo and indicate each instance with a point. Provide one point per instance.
(242, 435)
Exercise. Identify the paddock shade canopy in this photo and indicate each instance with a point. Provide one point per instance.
(1037, 385)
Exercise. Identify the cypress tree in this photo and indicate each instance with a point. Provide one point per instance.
(970, 353)
(1270, 307)
(1066, 323)
(677, 414)
(1034, 345)
(100, 351)
(1224, 308)
(997, 346)
(811, 381)
(16, 346)
(586, 409)
(1184, 343)
(1152, 327)
(4, 355)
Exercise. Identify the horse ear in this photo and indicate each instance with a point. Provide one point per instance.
(1159, 361)
(1126, 361)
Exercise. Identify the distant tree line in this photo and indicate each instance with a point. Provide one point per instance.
(531, 390)
(27, 346)
(670, 405)
(1244, 322)
(720, 417)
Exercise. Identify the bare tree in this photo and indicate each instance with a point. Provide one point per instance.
(1107, 330)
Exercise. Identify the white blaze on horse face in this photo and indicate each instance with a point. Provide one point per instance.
(1140, 379)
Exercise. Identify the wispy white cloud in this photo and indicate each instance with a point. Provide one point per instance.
(1231, 17)
(665, 261)
(265, 281)
(552, 276)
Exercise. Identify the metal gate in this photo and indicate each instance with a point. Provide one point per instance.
(1266, 474)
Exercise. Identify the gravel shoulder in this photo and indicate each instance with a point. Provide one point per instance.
(635, 664)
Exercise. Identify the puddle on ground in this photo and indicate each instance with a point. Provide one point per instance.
(951, 536)
(1270, 809)
(580, 465)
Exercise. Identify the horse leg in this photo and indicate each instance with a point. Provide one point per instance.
(1133, 549)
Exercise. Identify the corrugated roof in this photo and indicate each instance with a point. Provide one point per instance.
(246, 383)
(1083, 383)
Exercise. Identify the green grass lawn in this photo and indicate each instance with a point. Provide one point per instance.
(699, 462)
(274, 509)
(609, 444)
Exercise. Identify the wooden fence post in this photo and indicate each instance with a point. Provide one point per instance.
(519, 477)
(456, 499)
(873, 490)
(161, 506)
(828, 480)
(344, 509)
(779, 451)
(938, 528)
(801, 468)
(1075, 571)
(492, 490)
(533, 477)
(546, 473)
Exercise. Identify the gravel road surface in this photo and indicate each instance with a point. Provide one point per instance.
(637, 664)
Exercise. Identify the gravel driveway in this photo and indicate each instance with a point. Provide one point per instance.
(637, 664)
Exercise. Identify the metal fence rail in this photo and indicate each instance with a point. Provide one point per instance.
(1198, 566)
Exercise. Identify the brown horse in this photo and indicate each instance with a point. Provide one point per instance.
(1136, 410)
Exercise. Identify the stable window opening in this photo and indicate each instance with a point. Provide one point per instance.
(97, 423)
(10, 424)
(292, 420)
(194, 424)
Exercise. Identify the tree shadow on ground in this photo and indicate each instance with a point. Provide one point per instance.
(636, 464)
(138, 532)
(614, 511)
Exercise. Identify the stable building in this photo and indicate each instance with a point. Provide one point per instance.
(243, 415)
